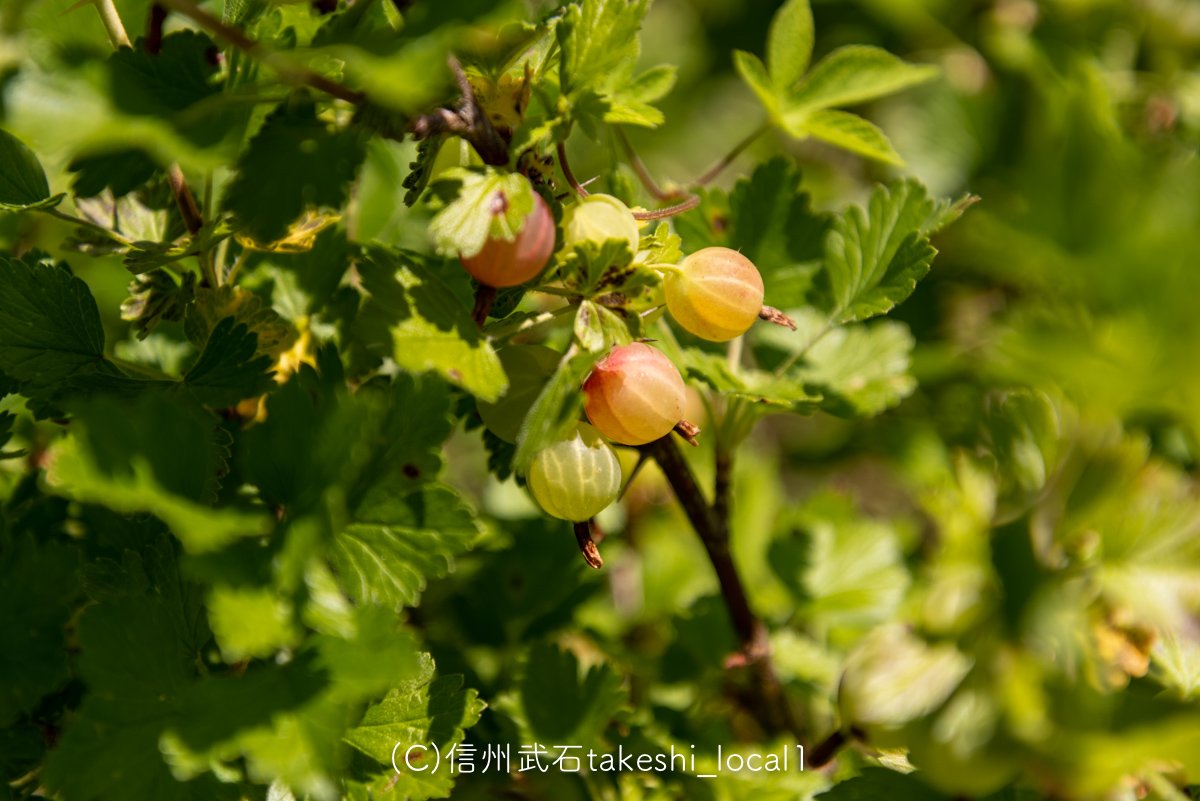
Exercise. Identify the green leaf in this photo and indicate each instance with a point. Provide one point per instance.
(155, 297)
(122, 172)
(852, 571)
(38, 583)
(427, 712)
(771, 221)
(629, 102)
(139, 654)
(398, 541)
(250, 622)
(855, 74)
(754, 73)
(759, 386)
(790, 44)
(860, 370)
(296, 161)
(486, 204)
(51, 339)
(155, 455)
(848, 131)
(598, 329)
(431, 329)
(597, 37)
(876, 783)
(556, 409)
(228, 370)
(564, 704)
(875, 256)
(23, 182)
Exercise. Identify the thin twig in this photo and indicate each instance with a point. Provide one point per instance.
(643, 173)
(111, 234)
(290, 71)
(670, 211)
(566, 170)
(185, 200)
(716, 169)
(827, 749)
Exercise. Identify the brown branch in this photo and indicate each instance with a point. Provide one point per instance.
(467, 119)
(711, 523)
(827, 749)
(290, 71)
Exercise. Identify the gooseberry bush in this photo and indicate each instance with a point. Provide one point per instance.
(369, 399)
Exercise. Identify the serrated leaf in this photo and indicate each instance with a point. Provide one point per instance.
(556, 409)
(754, 73)
(139, 652)
(38, 584)
(121, 172)
(156, 297)
(431, 329)
(158, 456)
(51, 339)
(629, 102)
(398, 541)
(759, 386)
(564, 704)
(875, 256)
(426, 711)
(597, 38)
(848, 131)
(23, 182)
(790, 44)
(771, 221)
(598, 329)
(229, 368)
(860, 370)
(855, 74)
(486, 204)
(296, 161)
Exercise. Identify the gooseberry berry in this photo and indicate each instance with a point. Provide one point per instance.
(634, 395)
(597, 218)
(577, 477)
(503, 263)
(716, 294)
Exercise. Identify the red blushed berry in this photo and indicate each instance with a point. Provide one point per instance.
(635, 395)
(502, 263)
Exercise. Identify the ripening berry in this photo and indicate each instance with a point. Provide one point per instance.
(575, 478)
(503, 263)
(716, 295)
(598, 218)
(634, 395)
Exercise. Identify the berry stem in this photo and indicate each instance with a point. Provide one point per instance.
(565, 165)
(484, 297)
(670, 211)
(643, 173)
(827, 749)
(711, 523)
(587, 545)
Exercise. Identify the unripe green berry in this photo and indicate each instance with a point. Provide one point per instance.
(598, 218)
(634, 395)
(577, 477)
(716, 294)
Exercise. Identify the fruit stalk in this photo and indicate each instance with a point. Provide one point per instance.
(711, 523)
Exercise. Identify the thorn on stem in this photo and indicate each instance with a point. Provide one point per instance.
(689, 431)
(587, 545)
(774, 315)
